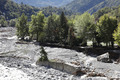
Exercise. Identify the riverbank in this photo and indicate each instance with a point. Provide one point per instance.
(23, 57)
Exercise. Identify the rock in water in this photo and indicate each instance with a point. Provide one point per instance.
(104, 58)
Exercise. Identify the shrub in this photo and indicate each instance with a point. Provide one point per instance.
(43, 55)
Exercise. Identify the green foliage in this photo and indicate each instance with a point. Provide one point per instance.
(116, 35)
(63, 28)
(22, 27)
(82, 5)
(71, 39)
(102, 11)
(70, 30)
(113, 11)
(52, 28)
(3, 22)
(47, 11)
(42, 37)
(12, 23)
(37, 24)
(43, 55)
(85, 27)
(106, 27)
(12, 10)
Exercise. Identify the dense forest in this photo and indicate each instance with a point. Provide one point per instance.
(54, 10)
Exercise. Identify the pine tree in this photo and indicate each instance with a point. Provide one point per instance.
(63, 27)
(50, 28)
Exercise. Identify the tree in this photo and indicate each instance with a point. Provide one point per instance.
(2, 2)
(43, 55)
(85, 27)
(37, 24)
(116, 35)
(52, 28)
(22, 27)
(71, 40)
(12, 22)
(3, 21)
(71, 37)
(63, 28)
(101, 12)
(32, 26)
(106, 27)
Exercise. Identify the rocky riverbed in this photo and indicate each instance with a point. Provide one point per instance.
(17, 61)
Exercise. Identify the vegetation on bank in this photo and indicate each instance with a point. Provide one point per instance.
(72, 31)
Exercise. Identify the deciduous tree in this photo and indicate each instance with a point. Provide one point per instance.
(106, 27)
(22, 27)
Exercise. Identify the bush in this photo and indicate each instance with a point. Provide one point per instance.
(12, 23)
(3, 23)
(43, 55)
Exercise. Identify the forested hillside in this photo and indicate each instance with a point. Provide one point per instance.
(12, 10)
(91, 5)
(44, 3)
(54, 10)
(106, 3)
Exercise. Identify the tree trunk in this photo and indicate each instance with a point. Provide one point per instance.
(37, 36)
(106, 44)
(112, 44)
(22, 38)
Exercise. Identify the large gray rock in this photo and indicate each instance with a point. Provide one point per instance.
(104, 58)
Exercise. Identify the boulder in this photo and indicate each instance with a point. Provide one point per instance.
(104, 58)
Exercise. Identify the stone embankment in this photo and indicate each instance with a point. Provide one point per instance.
(69, 68)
